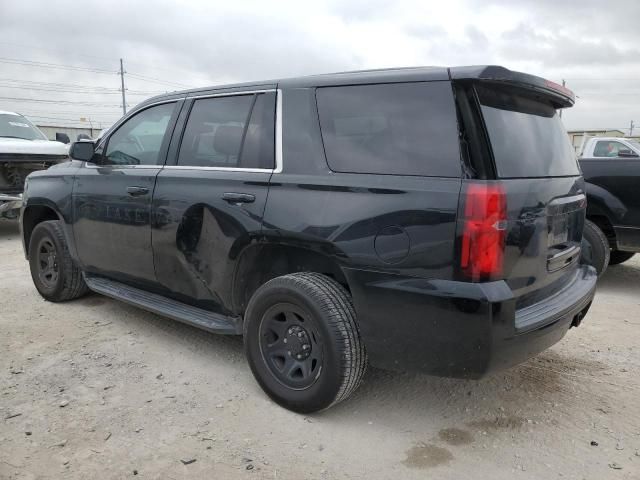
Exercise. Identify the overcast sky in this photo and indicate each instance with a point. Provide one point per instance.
(594, 45)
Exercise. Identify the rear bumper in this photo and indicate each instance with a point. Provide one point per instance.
(460, 329)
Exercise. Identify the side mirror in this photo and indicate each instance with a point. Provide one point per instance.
(82, 151)
(626, 153)
(83, 136)
(62, 137)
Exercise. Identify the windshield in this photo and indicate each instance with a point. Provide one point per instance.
(527, 136)
(16, 126)
(635, 144)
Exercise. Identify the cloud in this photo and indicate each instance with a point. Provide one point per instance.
(203, 42)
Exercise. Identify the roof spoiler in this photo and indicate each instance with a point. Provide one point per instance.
(560, 96)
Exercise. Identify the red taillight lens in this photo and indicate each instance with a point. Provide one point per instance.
(483, 231)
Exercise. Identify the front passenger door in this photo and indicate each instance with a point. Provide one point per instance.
(112, 197)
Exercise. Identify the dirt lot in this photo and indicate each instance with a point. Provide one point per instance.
(97, 389)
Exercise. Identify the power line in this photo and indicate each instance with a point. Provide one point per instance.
(45, 49)
(75, 86)
(108, 59)
(32, 63)
(85, 92)
(58, 102)
(156, 80)
(56, 84)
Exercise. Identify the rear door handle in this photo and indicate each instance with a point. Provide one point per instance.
(232, 197)
(137, 191)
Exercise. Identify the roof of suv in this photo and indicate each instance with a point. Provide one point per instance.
(386, 75)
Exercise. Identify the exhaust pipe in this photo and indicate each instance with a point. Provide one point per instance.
(577, 320)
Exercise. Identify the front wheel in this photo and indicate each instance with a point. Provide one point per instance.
(54, 273)
(302, 341)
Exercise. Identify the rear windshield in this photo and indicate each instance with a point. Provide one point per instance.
(527, 136)
(397, 129)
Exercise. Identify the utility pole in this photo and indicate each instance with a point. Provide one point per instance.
(631, 129)
(564, 83)
(124, 103)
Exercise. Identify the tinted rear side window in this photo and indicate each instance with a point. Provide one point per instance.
(232, 132)
(527, 136)
(400, 129)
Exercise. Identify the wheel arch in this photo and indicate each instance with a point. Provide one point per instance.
(602, 203)
(31, 216)
(262, 262)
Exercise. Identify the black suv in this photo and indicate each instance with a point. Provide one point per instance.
(417, 219)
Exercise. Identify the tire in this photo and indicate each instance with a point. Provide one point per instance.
(618, 257)
(595, 247)
(295, 310)
(55, 275)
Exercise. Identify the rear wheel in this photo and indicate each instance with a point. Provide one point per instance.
(302, 341)
(595, 247)
(619, 257)
(53, 271)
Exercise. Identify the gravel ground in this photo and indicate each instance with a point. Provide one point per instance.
(98, 389)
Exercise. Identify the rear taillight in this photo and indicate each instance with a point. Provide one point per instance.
(484, 226)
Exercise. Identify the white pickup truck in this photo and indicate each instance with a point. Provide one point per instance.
(23, 149)
(610, 147)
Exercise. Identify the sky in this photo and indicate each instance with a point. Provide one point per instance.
(58, 60)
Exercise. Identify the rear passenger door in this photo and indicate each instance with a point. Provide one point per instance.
(210, 197)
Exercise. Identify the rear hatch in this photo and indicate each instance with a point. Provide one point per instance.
(515, 142)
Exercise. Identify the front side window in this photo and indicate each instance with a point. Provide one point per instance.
(397, 129)
(138, 140)
(230, 132)
(606, 148)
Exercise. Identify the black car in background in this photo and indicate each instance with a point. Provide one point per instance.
(611, 169)
(422, 219)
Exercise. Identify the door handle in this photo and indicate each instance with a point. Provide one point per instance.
(137, 191)
(232, 197)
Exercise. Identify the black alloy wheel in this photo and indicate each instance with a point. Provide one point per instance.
(291, 345)
(47, 263)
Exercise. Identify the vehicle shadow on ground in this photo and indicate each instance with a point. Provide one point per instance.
(623, 279)
(388, 397)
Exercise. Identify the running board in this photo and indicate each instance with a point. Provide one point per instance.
(164, 306)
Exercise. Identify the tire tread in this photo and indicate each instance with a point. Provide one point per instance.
(594, 234)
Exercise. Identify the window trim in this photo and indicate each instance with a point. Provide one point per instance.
(278, 135)
(104, 142)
